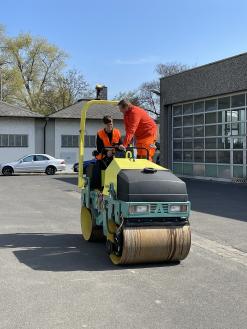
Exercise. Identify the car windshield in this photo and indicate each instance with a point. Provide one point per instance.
(22, 158)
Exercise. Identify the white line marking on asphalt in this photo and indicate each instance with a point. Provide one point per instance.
(222, 250)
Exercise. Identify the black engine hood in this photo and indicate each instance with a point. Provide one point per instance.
(140, 186)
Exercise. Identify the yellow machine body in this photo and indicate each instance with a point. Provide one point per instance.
(110, 174)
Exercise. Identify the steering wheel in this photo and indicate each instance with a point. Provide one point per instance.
(107, 160)
(129, 153)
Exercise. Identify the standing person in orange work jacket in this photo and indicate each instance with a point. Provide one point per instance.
(140, 125)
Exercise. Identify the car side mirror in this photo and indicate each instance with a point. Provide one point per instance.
(20, 161)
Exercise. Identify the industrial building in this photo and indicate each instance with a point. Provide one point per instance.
(203, 120)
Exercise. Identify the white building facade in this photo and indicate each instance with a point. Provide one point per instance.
(23, 132)
(19, 132)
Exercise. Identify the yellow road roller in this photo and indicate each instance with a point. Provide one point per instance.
(139, 208)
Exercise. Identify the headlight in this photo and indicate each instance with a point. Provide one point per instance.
(178, 208)
(139, 209)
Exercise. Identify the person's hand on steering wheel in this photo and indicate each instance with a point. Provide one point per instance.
(109, 154)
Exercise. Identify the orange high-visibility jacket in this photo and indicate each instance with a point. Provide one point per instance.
(116, 136)
(138, 124)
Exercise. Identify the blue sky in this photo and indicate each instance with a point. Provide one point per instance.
(118, 43)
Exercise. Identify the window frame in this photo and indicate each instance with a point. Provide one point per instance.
(23, 138)
(71, 141)
(225, 131)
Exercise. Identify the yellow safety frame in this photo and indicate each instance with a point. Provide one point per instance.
(82, 133)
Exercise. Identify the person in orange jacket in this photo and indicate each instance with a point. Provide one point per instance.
(141, 126)
(107, 137)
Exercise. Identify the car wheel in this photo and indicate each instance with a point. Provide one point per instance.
(7, 171)
(51, 170)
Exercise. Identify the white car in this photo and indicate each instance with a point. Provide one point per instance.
(33, 163)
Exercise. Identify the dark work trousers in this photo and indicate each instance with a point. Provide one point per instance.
(96, 179)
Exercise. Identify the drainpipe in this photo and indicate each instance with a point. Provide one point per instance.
(1, 85)
(46, 121)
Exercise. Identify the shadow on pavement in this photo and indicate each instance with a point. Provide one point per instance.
(68, 179)
(217, 198)
(62, 252)
(23, 175)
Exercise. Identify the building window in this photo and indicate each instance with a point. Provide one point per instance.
(70, 141)
(188, 156)
(90, 141)
(224, 103)
(210, 117)
(210, 143)
(199, 107)
(188, 132)
(188, 108)
(199, 119)
(177, 144)
(238, 100)
(177, 156)
(199, 131)
(210, 156)
(187, 144)
(7, 140)
(199, 144)
(177, 110)
(188, 120)
(73, 141)
(199, 156)
(209, 137)
(177, 121)
(177, 132)
(210, 105)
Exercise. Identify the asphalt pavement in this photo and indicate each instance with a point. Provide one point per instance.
(50, 278)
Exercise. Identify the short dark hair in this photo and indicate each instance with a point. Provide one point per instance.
(123, 103)
(107, 119)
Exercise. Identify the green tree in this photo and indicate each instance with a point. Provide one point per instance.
(34, 77)
(66, 89)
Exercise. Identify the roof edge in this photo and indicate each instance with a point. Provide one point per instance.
(36, 114)
(80, 100)
(205, 65)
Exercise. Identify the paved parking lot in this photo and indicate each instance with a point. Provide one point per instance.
(50, 278)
